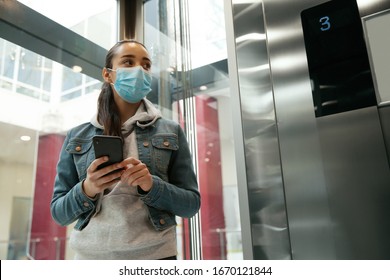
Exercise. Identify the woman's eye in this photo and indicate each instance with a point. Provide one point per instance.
(128, 63)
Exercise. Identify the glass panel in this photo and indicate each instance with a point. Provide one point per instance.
(95, 20)
(188, 47)
(16, 170)
(207, 32)
(40, 100)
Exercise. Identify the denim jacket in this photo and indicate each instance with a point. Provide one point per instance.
(161, 146)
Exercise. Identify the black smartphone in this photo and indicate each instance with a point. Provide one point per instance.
(111, 146)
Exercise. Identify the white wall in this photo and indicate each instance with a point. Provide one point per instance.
(16, 180)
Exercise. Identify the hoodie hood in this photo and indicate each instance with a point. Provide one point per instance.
(146, 115)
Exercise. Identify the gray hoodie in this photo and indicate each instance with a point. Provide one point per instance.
(121, 228)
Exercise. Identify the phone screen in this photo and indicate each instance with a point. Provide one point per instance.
(110, 146)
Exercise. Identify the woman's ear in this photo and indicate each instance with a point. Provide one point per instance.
(106, 75)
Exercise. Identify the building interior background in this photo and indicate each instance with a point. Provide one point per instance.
(41, 99)
(282, 173)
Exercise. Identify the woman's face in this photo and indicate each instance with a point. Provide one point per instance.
(128, 55)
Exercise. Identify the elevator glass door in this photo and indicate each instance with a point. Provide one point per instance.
(188, 48)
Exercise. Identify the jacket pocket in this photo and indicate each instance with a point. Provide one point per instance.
(163, 146)
(82, 154)
(161, 220)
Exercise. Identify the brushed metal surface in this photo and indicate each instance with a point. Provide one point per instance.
(384, 113)
(358, 183)
(319, 185)
(301, 159)
(315, 169)
(237, 126)
(268, 220)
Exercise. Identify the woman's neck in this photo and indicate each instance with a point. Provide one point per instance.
(126, 110)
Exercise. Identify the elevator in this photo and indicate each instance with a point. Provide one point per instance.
(312, 143)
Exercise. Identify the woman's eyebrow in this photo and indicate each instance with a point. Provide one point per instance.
(133, 56)
(128, 55)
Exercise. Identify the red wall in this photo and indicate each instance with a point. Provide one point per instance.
(43, 226)
(210, 178)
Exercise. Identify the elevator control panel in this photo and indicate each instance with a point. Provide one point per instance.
(337, 58)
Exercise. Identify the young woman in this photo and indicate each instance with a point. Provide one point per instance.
(125, 210)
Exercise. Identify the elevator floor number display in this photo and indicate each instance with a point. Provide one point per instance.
(337, 58)
(325, 23)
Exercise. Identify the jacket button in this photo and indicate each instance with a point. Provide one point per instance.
(86, 204)
(166, 143)
(78, 148)
(162, 222)
(146, 144)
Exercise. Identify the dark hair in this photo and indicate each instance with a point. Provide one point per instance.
(108, 113)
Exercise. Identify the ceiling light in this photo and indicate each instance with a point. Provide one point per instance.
(25, 138)
(77, 69)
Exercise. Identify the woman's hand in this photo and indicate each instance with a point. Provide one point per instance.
(136, 174)
(99, 179)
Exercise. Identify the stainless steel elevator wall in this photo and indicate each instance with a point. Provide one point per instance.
(301, 158)
(263, 171)
(318, 188)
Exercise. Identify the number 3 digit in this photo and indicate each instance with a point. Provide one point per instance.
(325, 23)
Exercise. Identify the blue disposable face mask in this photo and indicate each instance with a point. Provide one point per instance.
(132, 84)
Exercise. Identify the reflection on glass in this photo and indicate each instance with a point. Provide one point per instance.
(39, 101)
(92, 19)
(43, 99)
(188, 47)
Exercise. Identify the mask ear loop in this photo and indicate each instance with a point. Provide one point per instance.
(106, 75)
(111, 70)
